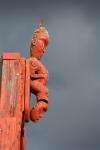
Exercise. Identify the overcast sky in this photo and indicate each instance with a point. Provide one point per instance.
(73, 60)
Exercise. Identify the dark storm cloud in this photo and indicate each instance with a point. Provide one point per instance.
(73, 60)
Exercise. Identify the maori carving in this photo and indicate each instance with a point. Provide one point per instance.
(38, 73)
(20, 76)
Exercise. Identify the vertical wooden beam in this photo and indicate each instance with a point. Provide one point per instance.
(12, 101)
(27, 91)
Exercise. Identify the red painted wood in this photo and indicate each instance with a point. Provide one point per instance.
(14, 55)
(22, 80)
(27, 91)
(17, 76)
(12, 133)
(8, 133)
(9, 87)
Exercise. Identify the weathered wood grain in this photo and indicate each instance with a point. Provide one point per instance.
(12, 135)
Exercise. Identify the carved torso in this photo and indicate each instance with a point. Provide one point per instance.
(38, 71)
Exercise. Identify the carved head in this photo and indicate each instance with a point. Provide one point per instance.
(39, 42)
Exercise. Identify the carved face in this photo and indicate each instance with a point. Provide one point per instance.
(39, 44)
(38, 48)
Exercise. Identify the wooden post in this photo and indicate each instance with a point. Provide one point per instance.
(13, 91)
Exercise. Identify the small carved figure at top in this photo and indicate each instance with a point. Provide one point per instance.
(38, 72)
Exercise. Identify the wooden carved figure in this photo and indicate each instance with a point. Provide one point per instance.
(20, 76)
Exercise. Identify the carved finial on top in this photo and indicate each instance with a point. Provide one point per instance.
(41, 22)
